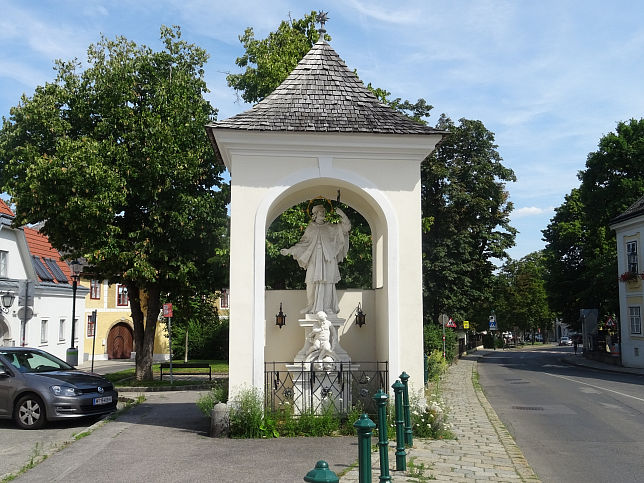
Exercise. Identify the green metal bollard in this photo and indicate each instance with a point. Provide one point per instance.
(401, 455)
(365, 426)
(383, 443)
(321, 474)
(409, 439)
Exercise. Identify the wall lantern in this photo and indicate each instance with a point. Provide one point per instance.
(361, 317)
(7, 301)
(280, 319)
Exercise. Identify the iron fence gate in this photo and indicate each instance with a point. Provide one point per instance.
(314, 387)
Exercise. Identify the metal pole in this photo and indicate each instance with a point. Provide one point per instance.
(170, 334)
(383, 442)
(443, 319)
(364, 426)
(401, 455)
(404, 377)
(94, 312)
(74, 287)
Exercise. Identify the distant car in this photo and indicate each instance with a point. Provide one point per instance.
(36, 387)
(565, 341)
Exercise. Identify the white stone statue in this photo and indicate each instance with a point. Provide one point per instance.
(319, 251)
(321, 341)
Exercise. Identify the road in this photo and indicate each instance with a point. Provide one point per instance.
(572, 423)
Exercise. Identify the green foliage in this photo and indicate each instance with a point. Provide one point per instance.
(429, 421)
(491, 341)
(247, 414)
(580, 251)
(115, 163)
(433, 338)
(267, 62)
(466, 219)
(207, 333)
(218, 394)
(436, 365)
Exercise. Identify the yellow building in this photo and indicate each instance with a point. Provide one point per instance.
(114, 334)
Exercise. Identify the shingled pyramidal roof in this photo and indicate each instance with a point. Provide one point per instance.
(322, 95)
(636, 209)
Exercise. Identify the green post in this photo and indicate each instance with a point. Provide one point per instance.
(409, 439)
(401, 456)
(365, 426)
(383, 443)
(321, 474)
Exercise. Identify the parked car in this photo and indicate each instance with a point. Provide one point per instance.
(565, 341)
(36, 387)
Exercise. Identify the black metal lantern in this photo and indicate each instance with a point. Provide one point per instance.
(7, 301)
(361, 317)
(280, 318)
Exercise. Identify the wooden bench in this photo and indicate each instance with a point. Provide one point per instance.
(186, 369)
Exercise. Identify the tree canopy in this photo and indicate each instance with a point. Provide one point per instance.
(113, 159)
(581, 253)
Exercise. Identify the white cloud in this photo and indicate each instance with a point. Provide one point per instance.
(531, 211)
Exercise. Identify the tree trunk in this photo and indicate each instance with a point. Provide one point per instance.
(144, 333)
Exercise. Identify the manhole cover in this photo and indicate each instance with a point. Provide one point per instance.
(528, 408)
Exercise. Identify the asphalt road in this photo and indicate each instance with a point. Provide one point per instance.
(572, 423)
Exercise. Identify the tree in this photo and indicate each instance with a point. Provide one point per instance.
(114, 161)
(580, 246)
(465, 218)
(269, 61)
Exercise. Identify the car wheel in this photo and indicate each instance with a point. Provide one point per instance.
(29, 412)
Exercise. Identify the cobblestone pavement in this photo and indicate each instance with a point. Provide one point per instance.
(482, 451)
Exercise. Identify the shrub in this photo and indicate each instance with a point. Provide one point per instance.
(206, 402)
(436, 365)
(433, 340)
(247, 414)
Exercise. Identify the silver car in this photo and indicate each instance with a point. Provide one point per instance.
(36, 387)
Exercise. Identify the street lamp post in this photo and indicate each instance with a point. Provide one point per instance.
(72, 352)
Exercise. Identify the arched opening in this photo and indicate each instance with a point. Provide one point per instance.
(120, 341)
(5, 335)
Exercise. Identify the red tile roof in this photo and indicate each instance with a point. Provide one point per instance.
(4, 209)
(39, 246)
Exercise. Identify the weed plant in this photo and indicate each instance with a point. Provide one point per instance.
(206, 402)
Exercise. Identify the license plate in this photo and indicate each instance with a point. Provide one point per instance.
(102, 400)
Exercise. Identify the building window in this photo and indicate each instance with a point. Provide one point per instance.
(43, 331)
(121, 295)
(95, 289)
(223, 298)
(636, 320)
(3, 263)
(91, 326)
(61, 330)
(631, 257)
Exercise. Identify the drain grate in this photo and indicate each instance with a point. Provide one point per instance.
(528, 408)
(520, 382)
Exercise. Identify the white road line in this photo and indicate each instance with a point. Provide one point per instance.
(596, 387)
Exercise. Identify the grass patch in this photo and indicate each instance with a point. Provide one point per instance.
(126, 378)
(417, 471)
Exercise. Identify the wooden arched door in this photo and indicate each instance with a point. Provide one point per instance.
(119, 342)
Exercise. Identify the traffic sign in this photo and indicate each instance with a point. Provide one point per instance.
(167, 310)
(493, 325)
(450, 323)
(466, 324)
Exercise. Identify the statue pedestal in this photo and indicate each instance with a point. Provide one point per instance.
(317, 386)
(307, 322)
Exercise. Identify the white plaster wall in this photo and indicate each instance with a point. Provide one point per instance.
(380, 177)
(8, 243)
(632, 347)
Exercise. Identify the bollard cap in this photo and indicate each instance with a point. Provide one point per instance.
(380, 396)
(404, 377)
(321, 474)
(398, 386)
(364, 422)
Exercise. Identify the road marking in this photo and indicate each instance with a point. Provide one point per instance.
(596, 387)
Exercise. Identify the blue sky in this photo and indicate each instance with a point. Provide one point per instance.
(548, 77)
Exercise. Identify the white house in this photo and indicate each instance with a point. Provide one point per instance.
(40, 313)
(629, 228)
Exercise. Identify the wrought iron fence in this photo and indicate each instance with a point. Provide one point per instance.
(314, 387)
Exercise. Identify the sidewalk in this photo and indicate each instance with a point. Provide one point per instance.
(580, 360)
(483, 449)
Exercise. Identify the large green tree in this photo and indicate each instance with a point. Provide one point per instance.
(465, 219)
(580, 246)
(114, 161)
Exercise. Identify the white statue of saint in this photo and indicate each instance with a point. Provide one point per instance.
(321, 341)
(322, 246)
